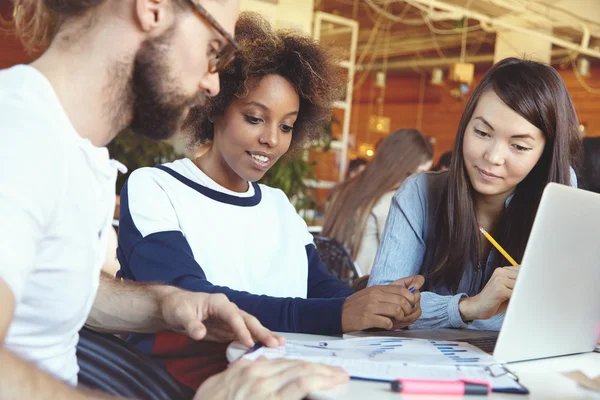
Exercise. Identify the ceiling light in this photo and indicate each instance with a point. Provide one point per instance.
(583, 66)
(379, 124)
(380, 79)
(437, 77)
(462, 72)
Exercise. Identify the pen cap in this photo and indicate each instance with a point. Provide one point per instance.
(442, 387)
(477, 388)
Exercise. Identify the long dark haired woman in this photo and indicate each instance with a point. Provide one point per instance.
(518, 133)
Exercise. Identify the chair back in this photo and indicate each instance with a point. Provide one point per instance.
(111, 365)
(337, 259)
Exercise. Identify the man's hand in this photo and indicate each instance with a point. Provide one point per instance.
(494, 297)
(270, 380)
(390, 306)
(214, 317)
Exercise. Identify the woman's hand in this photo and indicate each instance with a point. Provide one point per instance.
(494, 297)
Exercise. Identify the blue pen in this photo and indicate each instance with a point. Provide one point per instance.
(412, 290)
(252, 349)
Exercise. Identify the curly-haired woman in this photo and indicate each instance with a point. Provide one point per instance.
(205, 225)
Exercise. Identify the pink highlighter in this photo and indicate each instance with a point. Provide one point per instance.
(445, 387)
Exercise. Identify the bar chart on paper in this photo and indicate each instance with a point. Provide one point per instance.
(389, 358)
(384, 349)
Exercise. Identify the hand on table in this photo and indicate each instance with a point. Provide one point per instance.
(213, 317)
(390, 306)
(270, 380)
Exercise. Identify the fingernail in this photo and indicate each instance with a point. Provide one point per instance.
(412, 289)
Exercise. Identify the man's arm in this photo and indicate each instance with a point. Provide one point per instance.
(177, 266)
(278, 379)
(128, 307)
(132, 307)
(21, 380)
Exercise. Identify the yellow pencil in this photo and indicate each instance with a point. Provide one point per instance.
(498, 247)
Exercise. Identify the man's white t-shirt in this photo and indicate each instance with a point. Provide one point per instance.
(56, 206)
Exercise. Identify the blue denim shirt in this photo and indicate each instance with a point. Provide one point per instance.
(407, 248)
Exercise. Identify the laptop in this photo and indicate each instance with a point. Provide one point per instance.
(555, 306)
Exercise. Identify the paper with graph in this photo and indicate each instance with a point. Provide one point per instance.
(390, 358)
(383, 349)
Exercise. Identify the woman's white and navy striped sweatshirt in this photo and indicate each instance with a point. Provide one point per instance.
(178, 226)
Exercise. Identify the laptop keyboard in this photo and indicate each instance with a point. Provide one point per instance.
(486, 344)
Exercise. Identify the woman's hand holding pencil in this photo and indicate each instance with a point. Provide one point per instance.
(494, 297)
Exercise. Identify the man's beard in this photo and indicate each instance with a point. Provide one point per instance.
(155, 104)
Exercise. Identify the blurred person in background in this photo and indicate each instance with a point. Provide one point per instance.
(355, 167)
(359, 207)
(591, 164)
(444, 162)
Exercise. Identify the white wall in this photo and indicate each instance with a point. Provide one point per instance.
(517, 44)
